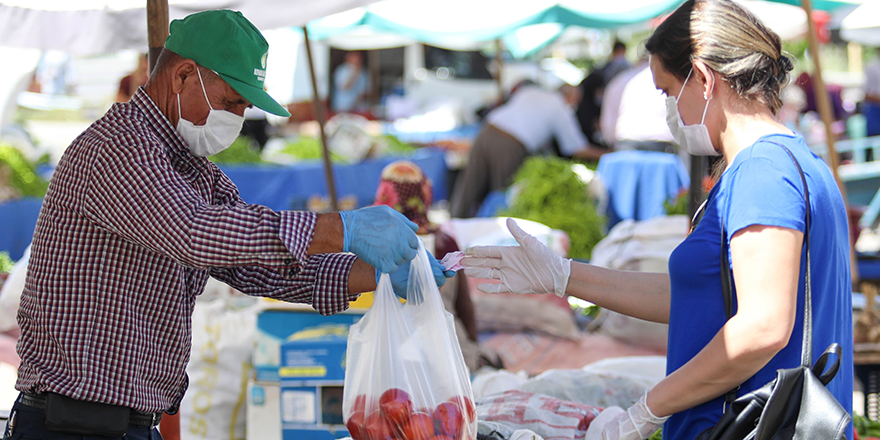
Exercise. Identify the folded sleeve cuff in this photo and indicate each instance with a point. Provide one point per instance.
(331, 283)
(297, 231)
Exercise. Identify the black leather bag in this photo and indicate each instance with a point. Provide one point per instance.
(796, 405)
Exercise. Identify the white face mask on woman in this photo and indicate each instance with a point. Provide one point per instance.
(219, 132)
(693, 138)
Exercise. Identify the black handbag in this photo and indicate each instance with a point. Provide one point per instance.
(795, 405)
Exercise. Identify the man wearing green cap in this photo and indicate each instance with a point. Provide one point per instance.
(136, 219)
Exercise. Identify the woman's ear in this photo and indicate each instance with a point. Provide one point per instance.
(181, 73)
(706, 77)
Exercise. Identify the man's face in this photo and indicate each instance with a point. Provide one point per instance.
(221, 96)
(354, 58)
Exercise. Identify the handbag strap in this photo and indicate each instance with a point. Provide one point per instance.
(727, 282)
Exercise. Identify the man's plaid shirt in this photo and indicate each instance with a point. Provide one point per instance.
(130, 230)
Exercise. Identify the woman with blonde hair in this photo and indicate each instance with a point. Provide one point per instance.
(722, 71)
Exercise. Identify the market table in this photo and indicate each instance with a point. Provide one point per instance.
(283, 187)
(638, 182)
(17, 221)
(280, 187)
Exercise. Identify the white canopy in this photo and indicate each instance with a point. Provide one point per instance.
(90, 27)
(862, 25)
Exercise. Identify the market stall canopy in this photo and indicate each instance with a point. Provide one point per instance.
(91, 27)
(862, 25)
(464, 24)
(525, 29)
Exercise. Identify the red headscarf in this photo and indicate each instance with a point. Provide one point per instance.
(405, 188)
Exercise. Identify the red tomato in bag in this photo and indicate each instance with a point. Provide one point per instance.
(378, 427)
(450, 420)
(419, 427)
(397, 405)
(467, 407)
(355, 426)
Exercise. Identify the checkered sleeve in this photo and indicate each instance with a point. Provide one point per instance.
(134, 192)
(321, 282)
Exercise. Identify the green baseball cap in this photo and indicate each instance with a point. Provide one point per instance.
(227, 43)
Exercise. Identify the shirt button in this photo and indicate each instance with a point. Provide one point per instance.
(288, 262)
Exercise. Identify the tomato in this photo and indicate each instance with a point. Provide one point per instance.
(450, 420)
(441, 437)
(397, 405)
(467, 406)
(378, 427)
(360, 403)
(419, 427)
(355, 425)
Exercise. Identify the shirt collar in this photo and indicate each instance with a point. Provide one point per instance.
(158, 121)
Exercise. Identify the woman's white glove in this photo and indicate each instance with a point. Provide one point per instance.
(530, 267)
(637, 423)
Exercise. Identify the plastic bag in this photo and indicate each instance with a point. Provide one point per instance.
(405, 377)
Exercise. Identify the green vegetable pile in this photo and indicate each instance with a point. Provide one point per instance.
(866, 427)
(552, 194)
(393, 145)
(309, 148)
(677, 205)
(24, 175)
(243, 150)
(657, 435)
(6, 263)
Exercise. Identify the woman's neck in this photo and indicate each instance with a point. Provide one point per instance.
(743, 128)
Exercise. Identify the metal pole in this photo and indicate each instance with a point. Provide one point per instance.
(318, 106)
(824, 106)
(157, 28)
(498, 65)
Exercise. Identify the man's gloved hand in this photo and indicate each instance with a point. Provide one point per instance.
(400, 277)
(530, 267)
(637, 423)
(380, 236)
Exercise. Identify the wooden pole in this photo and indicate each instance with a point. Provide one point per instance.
(498, 65)
(824, 107)
(157, 28)
(318, 105)
(157, 31)
(375, 75)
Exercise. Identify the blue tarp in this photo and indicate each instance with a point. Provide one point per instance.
(278, 187)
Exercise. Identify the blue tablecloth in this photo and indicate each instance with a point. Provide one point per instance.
(638, 183)
(290, 187)
(17, 221)
(278, 187)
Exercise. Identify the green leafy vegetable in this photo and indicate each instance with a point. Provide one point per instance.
(6, 262)
(552, 194)
(241, 151)
(24, 175)
(677, 205)
(309, 148)
(866, 427)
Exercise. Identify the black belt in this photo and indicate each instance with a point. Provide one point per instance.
(136, 418)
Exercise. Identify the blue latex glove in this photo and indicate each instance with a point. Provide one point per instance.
(380, 236)
(400, 277)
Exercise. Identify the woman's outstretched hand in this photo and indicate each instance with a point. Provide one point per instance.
(530, 267)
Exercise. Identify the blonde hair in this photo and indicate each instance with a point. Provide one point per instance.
(728, 39)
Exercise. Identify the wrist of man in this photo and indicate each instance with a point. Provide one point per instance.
(329, 235)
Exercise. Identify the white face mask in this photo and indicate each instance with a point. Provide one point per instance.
(219, 132)
(693, 138)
